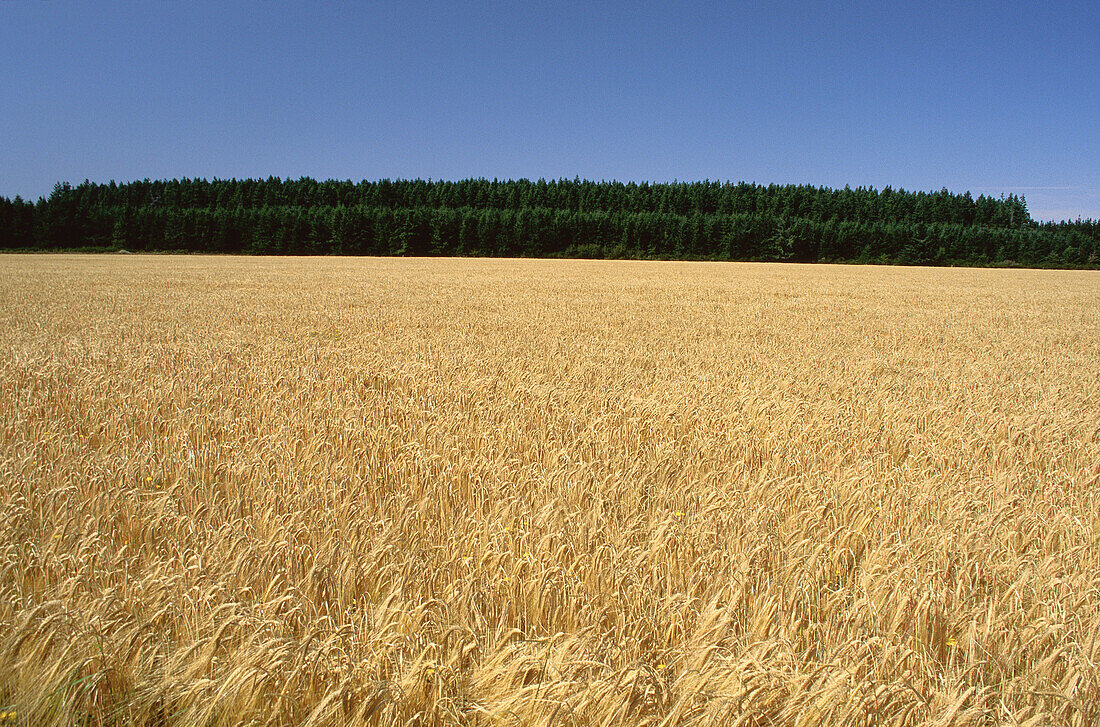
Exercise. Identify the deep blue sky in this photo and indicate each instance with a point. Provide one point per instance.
(992, 97)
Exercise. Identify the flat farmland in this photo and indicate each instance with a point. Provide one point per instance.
(328, 491)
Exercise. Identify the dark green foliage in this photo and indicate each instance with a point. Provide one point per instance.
(698, 221)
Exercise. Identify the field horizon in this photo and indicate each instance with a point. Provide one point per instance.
(100, 252)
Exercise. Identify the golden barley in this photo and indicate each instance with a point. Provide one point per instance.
(473, 492)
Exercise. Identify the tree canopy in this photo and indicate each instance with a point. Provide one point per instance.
(557, 218)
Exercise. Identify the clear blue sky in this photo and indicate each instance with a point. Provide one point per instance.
(994, 97)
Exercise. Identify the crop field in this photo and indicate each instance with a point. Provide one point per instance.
(328, 491)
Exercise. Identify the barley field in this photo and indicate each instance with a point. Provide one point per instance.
(329, 491)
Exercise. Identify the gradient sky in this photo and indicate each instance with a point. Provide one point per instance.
(990, 97)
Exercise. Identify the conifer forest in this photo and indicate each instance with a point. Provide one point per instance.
(557, 218)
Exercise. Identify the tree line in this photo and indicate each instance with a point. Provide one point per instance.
(558, 218)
